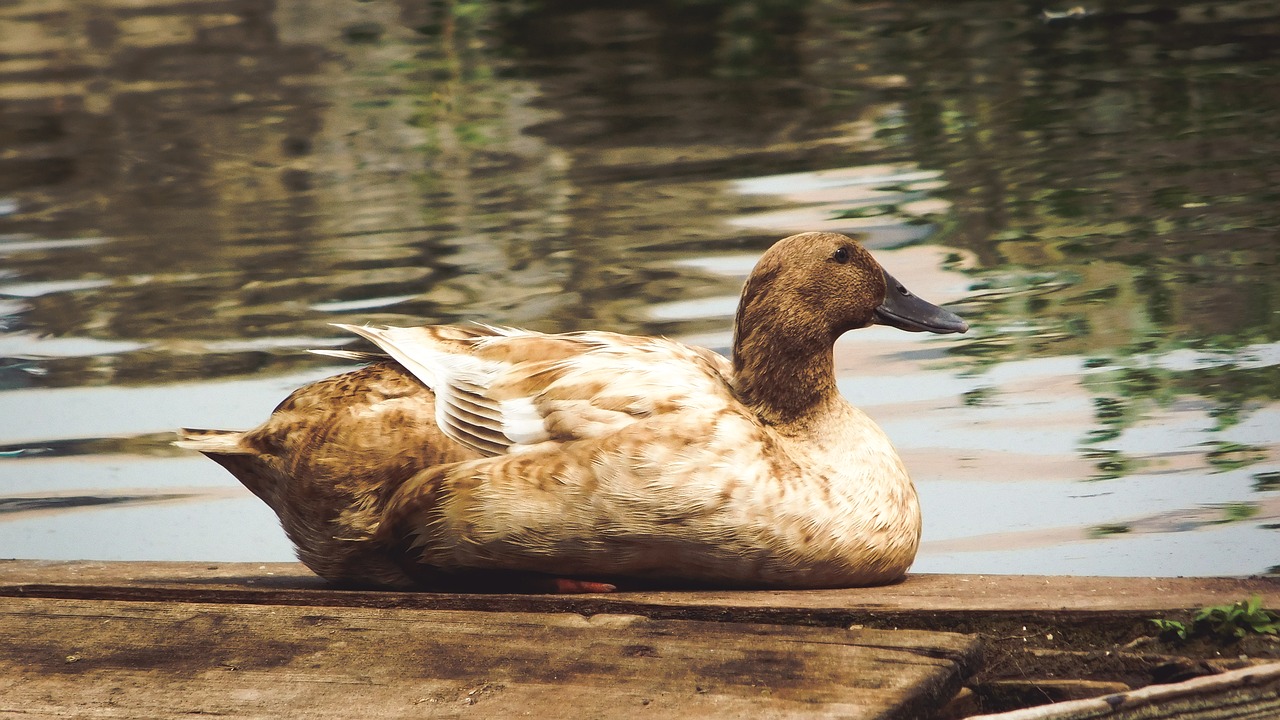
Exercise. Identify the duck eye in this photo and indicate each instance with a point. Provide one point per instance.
(841, 255)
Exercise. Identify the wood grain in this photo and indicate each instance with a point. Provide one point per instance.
(107, 659)
(942, 599)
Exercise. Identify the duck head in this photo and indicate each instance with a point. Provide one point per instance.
(831, 284)
(806, 291)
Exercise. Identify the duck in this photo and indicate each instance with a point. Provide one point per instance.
(582, 460)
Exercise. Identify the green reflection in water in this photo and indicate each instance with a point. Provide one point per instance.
(1266, 481)
(1115, 183)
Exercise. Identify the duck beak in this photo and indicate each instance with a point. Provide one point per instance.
(905, 311)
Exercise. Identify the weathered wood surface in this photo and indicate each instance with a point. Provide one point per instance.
(941, 601)
(90, 639)
(1247, 694)
(108, 658)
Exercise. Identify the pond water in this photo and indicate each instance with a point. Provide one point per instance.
(190, 192)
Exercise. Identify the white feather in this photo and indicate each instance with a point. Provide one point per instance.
(348, 354)
(398, 343)
(522, 422)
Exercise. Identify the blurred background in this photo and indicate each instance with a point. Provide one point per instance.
(191, 190)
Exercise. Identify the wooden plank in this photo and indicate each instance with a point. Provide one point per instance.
(1247, 694)
(1037, 691)
(963, 602)
(107, 659)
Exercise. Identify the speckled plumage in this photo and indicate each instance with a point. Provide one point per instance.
(597, 455)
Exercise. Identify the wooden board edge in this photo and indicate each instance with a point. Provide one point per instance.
(1247, 694)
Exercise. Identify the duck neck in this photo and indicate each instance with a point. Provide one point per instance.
(784, 371)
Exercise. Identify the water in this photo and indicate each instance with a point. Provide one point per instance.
(190, 192)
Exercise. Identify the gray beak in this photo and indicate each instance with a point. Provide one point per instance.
(905, 311)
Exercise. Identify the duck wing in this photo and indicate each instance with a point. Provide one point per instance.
(501, 390)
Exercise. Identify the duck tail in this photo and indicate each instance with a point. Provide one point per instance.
(259, 472)
(215, 442)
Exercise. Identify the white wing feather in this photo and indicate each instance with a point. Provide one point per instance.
(491, 399)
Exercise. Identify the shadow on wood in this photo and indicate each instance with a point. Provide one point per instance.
(63, 658)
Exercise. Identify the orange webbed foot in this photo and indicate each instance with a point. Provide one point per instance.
(567, 586)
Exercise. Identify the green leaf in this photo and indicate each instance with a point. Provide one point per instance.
(1253, 605)
(1170, 627)
(1264, 627)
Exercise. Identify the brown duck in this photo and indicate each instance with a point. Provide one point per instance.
(482, 452)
